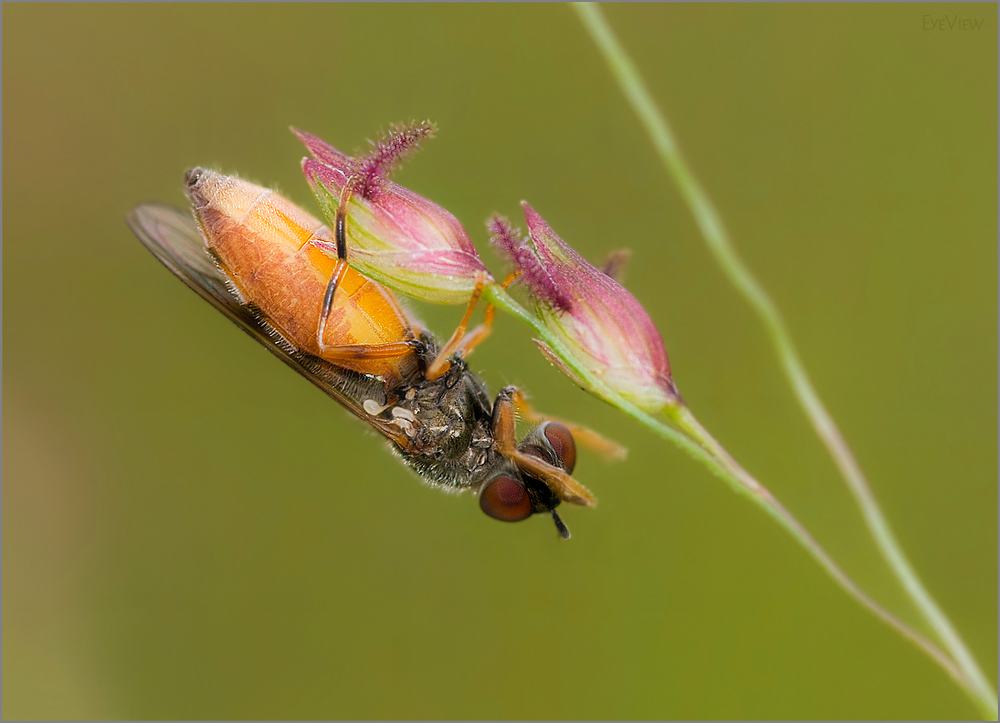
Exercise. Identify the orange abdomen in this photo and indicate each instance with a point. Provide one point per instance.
(262, 241)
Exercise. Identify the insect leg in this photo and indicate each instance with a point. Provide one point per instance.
(461, 342)
(340, 234)
(441, 362)
(340, 222)
(504, 420)
(616, 264)
(348, 351)
(331, 290)
(475, 337)
(352, 351)
(607, 448)
(562, 484)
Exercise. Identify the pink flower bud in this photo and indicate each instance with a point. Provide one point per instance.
(394, 236)
(605, 330)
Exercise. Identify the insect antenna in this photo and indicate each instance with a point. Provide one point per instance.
(561, 526)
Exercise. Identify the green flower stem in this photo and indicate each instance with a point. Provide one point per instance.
(708, 220)
(760, 495)
(697, 442)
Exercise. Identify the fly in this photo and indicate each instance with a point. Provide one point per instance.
(252, 254)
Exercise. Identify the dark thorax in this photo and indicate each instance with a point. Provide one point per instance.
(447, 422)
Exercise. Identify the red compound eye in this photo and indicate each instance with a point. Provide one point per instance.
(562, 443)
(504, 498)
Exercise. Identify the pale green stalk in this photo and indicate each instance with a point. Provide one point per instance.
(971, 677)
(700, 445)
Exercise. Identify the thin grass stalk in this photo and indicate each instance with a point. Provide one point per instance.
(971, 679)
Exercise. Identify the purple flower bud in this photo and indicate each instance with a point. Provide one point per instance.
(605, 330)
(394, 236)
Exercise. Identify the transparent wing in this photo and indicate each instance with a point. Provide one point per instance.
(173, 237)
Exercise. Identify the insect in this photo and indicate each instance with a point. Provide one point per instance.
(250, 253)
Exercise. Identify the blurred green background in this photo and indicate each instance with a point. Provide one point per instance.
(191, 530)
